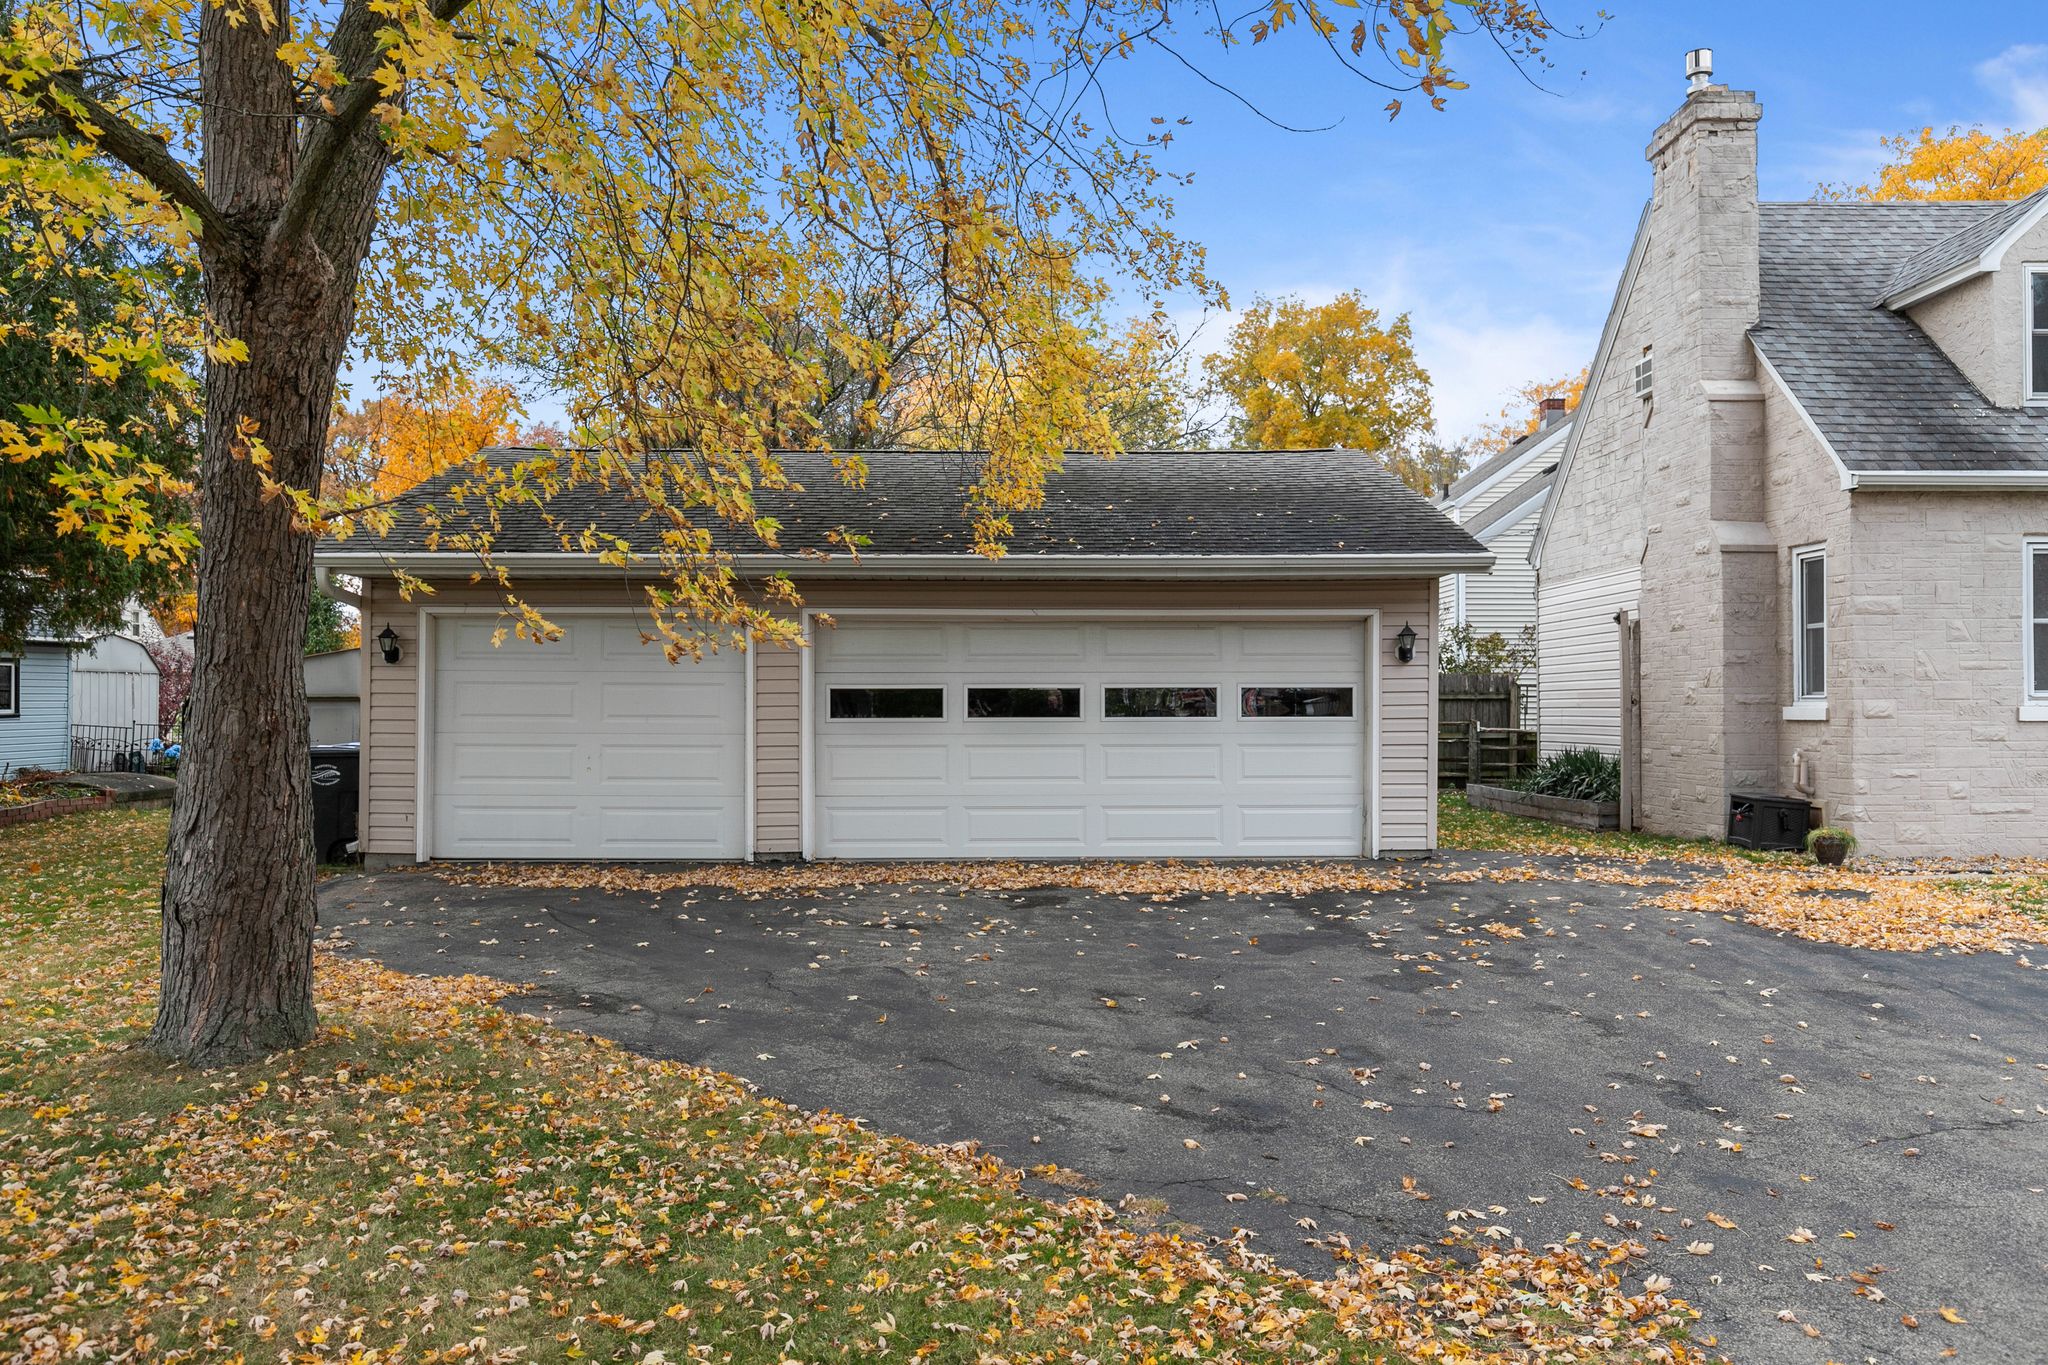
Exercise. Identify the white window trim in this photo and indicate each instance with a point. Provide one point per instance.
(2028, 334)
(2033, 704)
(1803, 702)
(12, 708)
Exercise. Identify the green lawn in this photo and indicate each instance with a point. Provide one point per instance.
(1460, 825)
(437, 1179)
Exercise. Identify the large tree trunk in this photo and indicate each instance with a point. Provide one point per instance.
(238, 889)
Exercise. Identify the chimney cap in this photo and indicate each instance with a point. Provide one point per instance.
(1699, 68)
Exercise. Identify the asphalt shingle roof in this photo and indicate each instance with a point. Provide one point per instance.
(1960, 248)
(1487, 468)
(1513, 504)
(1885, 396)
(1175, 502)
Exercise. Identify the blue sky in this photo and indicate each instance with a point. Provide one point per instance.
(1501, 223)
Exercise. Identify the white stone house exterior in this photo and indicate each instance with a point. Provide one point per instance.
(1500, 502)
(1812, 464)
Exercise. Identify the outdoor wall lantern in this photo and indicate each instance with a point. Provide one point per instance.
(1404, 644)
(387, 638)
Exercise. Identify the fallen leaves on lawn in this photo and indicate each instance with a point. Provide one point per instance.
(438, 1178)
(1859, 909)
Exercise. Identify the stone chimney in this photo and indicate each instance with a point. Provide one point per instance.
(1703, 160)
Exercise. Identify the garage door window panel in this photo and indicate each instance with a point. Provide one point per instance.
(1261, 703)
(1023, 703)
(887, 703)
(1159, 703)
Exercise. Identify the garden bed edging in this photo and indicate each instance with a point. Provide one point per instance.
(49, 810)
(1558, 810)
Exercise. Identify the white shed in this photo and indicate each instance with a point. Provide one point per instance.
(114, 686)
(334, 684)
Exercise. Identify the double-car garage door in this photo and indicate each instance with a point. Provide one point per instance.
(928, 738)
(1088, 738)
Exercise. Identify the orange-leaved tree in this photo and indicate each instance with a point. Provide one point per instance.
(636, 201)
(416, 431)
(1962, 163)
(1521, 413)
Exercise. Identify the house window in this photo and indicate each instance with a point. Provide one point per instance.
(1646, 374)
(2037, 334)
(10, 687)
(1120, 703)
(1295, 701)
(886, 703)
(1023, 703)
(2037, 620)
(1810, 624)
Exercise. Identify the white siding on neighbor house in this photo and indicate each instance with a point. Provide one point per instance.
(1502, 602)
(1579, 654)
(115, 685)
(40, 736)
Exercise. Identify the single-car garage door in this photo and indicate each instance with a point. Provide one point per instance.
(593, 746)
(1089, 738)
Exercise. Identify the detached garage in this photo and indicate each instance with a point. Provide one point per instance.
(1187, 654)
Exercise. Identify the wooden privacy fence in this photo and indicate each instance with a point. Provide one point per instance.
(1493, 700)
(1493, 756)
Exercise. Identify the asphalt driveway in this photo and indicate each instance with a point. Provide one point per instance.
(1355, 1060)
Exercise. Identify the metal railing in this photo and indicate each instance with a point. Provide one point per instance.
(113, 748)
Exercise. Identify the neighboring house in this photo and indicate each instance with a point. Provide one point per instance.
(1812, 465)
(35, 706)
(114, 687)
(1500, 503)
(1182, 654)
(334, 687)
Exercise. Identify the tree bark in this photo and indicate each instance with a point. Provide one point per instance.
(238, 888)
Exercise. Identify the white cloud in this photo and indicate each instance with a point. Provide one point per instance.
(2019, 76)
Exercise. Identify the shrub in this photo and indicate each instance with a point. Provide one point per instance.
(1586, 774)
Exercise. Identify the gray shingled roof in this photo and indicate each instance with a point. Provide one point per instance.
(1487, 468)
(1880, 390)
(1513, 504)
(1960, 248)
(1175, 502)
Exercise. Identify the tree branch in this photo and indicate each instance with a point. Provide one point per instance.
(137, 150)
(329, 139)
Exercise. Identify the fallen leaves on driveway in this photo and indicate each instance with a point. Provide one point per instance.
(437, 1178)
(1859, 909)
(1159, 880)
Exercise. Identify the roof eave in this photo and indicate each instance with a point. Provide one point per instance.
(428, 564)
(1940, 284)
(1949, 480)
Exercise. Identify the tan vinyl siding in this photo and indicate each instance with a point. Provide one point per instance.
(778, 752)
(1407, 702)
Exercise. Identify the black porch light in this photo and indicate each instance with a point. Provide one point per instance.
(387, 639)
(1404, 644)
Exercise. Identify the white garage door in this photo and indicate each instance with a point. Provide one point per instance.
(1095, 738)
(594, 746)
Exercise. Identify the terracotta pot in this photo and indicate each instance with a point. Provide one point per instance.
(1830, 852)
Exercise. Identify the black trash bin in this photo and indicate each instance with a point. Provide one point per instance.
(1757, 821)
(337, 771)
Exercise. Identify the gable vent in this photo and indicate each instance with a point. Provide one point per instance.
(1645, 374)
